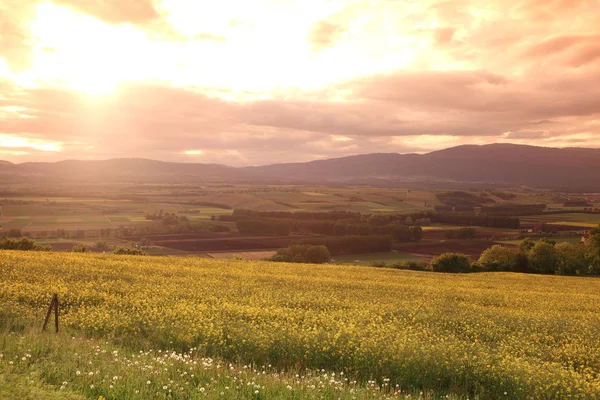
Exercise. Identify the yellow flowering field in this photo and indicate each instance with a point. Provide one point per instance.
(490, 335)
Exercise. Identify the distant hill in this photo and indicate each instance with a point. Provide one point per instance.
(505, 164)
(118, 170)
(497, 164)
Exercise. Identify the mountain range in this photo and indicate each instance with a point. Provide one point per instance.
(488, 165)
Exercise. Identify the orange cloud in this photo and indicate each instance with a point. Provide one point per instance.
(115, 11)
(324, 34)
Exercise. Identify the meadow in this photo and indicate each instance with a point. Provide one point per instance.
(486, 335)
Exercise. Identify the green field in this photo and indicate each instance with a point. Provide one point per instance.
(367, 259)
(566, 219)
(568, 239)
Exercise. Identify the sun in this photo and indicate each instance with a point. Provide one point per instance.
(84, 54)
(93, 85)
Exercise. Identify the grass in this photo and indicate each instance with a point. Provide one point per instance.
(16, 386)
(568, 239)
(48, 366)
(441, 227)
(366, 259)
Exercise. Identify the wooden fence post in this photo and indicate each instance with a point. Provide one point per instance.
(53, 305)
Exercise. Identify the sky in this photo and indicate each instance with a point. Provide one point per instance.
(241, 82)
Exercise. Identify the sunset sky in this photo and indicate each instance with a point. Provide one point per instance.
(256, 82)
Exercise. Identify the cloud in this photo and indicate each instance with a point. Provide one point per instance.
(211, 37)
(443, 35)
(115, 11)
(324, 34)
(526, 135)
(380, 75)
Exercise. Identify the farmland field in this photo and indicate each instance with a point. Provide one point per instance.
(486, 335)
(566, 219)
(567, 239)
(366, 259)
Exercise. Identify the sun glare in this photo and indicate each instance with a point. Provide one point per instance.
(17, 142)
(193, 152)
(81, 52)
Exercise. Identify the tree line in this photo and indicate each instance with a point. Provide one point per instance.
(240, 213)
(283, 227)
(542, 257)
(351, 244)
(494, 221)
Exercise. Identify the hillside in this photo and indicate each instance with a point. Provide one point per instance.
(123, 169)
(497, 164)
(485, 335)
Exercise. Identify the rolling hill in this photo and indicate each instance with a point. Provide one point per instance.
(497, 164)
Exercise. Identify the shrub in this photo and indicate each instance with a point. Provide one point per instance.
(411, 266)
(317, 255)
(379, 264)
(129, 251)
(80, 248)
(303, 253)
(24, 244)
(451, 262)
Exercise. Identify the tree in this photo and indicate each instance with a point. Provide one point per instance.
(521, 262)
(408, 221)
(571, 258)
(317, 255)
(593, 252)
(526, 245)
(80, 248)
(451, 262)
(543, 258)
(499, 258)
